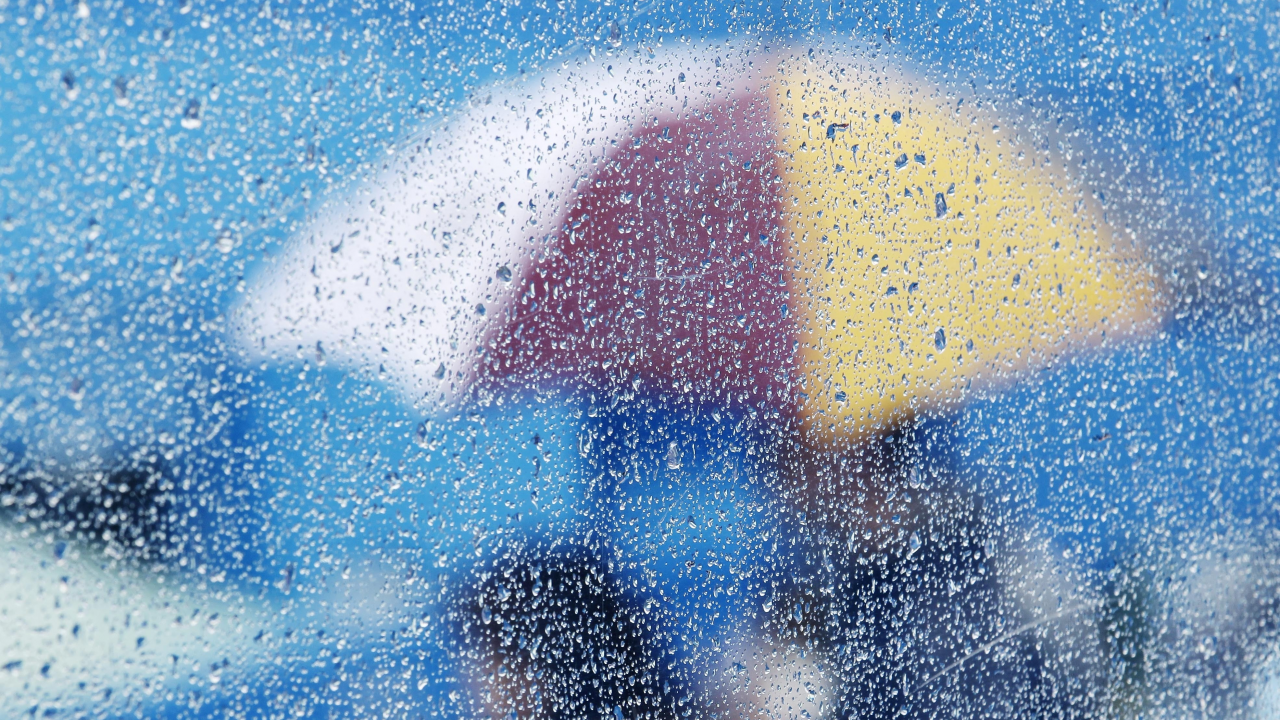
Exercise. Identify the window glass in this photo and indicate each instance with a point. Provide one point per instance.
(639, 360)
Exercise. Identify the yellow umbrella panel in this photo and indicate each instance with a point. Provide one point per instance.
(933, 256)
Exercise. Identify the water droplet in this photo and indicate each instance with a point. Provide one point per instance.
(901, 162)
(940, 339)
(919, 157)
(914, 541)
(485, 615)
(939, 204)
(286, 581)
(423, 434)
(69, 85)
(896, 116)
(191, 115)
(841, 396)
(834, 128)
(480, 309)
(504, 274)
(891, 291)
(1017, 280)
(225, 244)
(120, 86)
(673, 456)
(615, 33)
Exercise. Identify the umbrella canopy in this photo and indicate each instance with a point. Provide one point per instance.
(845, 241)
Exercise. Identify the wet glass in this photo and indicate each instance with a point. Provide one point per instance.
(639, 360)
